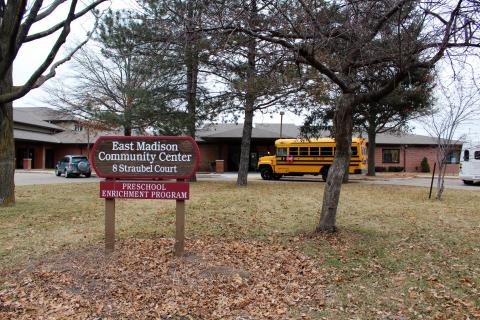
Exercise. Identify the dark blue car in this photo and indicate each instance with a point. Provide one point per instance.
(73, 166)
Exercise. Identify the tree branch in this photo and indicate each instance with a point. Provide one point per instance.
(23, 90)
(10, 26)
(45, 13)
(59, 26)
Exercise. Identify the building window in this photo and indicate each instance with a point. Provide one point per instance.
(453, 158)
(391, 155)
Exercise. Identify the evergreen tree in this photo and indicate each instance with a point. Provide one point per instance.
(116, 84)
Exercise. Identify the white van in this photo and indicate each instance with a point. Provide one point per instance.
(470, 165)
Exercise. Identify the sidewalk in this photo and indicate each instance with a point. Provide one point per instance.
(254, 175)
(406, 175)
(46, 171)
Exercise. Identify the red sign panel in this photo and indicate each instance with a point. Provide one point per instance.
(144, 190)
(145, 157)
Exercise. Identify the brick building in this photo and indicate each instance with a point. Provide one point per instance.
(222, 141)
(45, 135)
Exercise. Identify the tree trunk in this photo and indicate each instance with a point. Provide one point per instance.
(245, 148)
(191, 63)
(346, 176)
(250, 97)
(441, 180)
(7, 146)
(343, 139)
(372, 143)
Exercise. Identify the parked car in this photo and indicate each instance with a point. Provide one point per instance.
(470, 165)
(72, 165)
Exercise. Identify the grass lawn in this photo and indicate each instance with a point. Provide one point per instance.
(252, 254)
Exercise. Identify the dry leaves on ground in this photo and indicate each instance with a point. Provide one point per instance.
(142, 279)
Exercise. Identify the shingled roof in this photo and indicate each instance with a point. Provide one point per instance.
(289, 130)
(28, 117)
(40, 116)
(49, 114)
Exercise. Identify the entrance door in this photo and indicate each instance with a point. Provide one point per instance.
(24, 153)
(233, 157)
(49, 159)
(253, 161)
(19, 155)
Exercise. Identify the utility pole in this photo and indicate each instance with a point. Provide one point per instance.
(281, 123)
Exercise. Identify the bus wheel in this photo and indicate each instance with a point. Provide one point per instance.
(468, 182)
(277, 176)
(266, 173)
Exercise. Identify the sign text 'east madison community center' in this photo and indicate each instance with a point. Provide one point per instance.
(145, 157)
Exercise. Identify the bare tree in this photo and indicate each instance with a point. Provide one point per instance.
(255, 75)
(113, 82)
(458, 105)
(340, 39)
(17, 19)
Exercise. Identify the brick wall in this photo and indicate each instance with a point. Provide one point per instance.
(67, 149)
(37, 151)
(411, 156)
(208, 154)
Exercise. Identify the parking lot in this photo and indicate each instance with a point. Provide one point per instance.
(24, 177)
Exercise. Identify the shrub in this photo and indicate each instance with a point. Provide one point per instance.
(380, 169)
(395, 169)
(425, 167)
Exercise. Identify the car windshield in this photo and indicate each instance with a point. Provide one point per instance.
(78, 159)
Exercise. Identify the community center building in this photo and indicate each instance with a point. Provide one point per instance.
(44, 135)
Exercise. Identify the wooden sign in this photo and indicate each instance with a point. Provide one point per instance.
(144, 190)
(145, 157)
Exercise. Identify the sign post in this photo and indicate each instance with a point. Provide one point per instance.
(109, 224)
(179, 227)
(158, 158)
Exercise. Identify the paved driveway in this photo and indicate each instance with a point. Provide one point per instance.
(24, 177)
(450, 183)
(48, 177)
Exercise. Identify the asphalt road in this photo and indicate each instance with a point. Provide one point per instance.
(48, 177)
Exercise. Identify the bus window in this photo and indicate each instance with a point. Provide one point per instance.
(326, 151)
(466, 155)
(313, 156)
(476, 155)
(304, 151)
(281, 152)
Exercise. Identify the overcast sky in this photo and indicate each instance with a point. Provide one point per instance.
(33, 53)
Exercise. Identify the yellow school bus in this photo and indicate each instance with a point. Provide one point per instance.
(296, 157)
